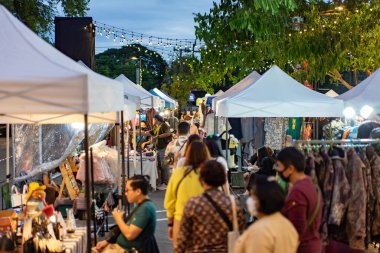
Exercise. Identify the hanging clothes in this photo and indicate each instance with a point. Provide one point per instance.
(294, 128)
(236, 130)
(149, 117)
(209, 123)
(259, 125)
(375, 167)
(275, 132)
(356, 212)
(367, 174)
(248, 129)
(335, 191)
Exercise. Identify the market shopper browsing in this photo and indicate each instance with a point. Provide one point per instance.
(208, 233)
(176, 148)
(272, 233)
(303, 206)
(161, 137)
(138, 230)
(183, 185)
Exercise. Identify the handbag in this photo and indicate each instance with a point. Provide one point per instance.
(233, 233)
(150, 246)
(17, 198)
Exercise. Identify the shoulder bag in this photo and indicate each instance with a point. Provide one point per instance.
(115, 230)
(233, 233)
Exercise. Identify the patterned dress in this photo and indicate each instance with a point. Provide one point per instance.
(202, 228)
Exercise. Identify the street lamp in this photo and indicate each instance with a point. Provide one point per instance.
(138, 71)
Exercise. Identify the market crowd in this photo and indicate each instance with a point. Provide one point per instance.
(282, 211)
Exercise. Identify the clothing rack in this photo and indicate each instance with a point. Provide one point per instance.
(332, 142)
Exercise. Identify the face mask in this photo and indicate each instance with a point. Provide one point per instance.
(286, 179)
(251, 205)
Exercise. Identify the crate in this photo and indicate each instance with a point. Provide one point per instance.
(237, 179)
(7, 220)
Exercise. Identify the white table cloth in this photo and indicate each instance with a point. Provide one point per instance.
(149, 168)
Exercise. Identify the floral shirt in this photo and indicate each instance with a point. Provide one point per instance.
(275, 132)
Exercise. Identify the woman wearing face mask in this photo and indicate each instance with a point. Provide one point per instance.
(272, 233)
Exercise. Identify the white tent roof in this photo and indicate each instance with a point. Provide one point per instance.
(331, 93)
(36, 78)
(248, 80)
(365, 93)
(276, 94)
(138, 91)
(165, 96)
(220, 92)
(130, 101)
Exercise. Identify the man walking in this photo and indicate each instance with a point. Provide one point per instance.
(161, 137)
(176, 148)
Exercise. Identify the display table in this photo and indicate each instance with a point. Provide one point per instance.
(149, 168)
(75, 242)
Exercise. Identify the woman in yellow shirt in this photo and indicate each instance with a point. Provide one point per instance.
(183, 185)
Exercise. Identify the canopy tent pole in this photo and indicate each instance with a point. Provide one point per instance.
(13, 151)
(123, 160)
(140, 144)
(128, 165)
(227, 143)
(7, 154)
(118, 142)
(93, 191)
(87, 185)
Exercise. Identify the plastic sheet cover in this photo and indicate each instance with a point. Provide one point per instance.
(41, 148)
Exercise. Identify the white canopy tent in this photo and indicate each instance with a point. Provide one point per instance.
(37, 81)
(39, 84)
(365, 93)
(247, 81)
(165, 97)
(276, 94)
(220, 92)
(146, 99)
(332, 94)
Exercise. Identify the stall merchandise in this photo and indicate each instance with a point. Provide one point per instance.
(348, 174)
(149, 165)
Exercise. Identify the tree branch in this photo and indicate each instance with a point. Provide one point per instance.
(337, 76)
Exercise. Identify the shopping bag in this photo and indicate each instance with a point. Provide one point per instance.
(234, 234)
(17, 198)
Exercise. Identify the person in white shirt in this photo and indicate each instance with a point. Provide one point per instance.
(214, 147)
(177, 146)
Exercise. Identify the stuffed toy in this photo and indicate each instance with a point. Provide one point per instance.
(35, 199)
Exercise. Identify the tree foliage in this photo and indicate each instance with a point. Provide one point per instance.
(125, 60)
(330, 36)
(182, 77)
(39, 15)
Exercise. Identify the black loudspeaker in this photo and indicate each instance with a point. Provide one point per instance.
(75, 37)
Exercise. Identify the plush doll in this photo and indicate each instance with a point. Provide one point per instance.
(35, 199)
(233, 145)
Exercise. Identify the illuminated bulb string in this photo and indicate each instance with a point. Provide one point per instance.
(163, 45)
